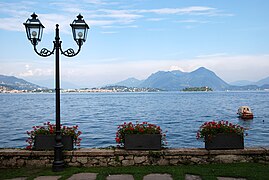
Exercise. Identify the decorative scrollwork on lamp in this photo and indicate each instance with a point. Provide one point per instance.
(70, 52)
(45, 52)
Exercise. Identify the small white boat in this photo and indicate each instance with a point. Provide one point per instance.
(244, 112)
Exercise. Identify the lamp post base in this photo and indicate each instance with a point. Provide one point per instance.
(58, 163)
(58, 166)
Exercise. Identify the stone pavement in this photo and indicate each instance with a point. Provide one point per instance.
(92, 176)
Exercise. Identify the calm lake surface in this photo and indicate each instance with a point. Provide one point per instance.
(99, 114)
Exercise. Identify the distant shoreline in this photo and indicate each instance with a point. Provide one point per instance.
(69, 91)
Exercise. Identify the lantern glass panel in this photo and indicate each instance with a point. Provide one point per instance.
(79, 33)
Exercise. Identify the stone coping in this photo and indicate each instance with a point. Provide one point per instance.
(111, 152)
(87, 157)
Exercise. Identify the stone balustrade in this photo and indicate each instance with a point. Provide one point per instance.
(119, 157)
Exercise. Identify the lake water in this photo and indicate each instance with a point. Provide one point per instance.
(99, 114)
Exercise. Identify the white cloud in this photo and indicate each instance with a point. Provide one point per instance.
(230, 68)
(192, 21)
(192, 10)
(119, 27)
(109, 32)
(11, 24)
(122, 14)
(99, 2)
(22, 68)
(173, 67)
(37, 72)
(15, 13)
(27, 73)
(82, 72)
(211, 55)
(155, 19)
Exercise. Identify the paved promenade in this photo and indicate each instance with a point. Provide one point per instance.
(92, 176)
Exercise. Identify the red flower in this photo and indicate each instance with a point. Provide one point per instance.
(138, 128)
(50, 129)
(117, 139)
(209, 129)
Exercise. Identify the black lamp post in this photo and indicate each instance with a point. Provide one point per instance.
(34, 30)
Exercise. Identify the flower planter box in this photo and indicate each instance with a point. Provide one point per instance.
(225, 141)
(142, 141)
(47, 142)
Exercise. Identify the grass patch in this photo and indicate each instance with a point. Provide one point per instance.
(251, 171)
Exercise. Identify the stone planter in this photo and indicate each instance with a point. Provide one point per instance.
(47, 142)
(225, 141)
(143, 141)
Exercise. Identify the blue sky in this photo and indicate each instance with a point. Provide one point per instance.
(135, 38)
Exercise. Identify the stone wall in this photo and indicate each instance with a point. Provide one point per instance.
(120, 157)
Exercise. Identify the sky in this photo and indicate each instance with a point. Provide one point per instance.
(136, 38)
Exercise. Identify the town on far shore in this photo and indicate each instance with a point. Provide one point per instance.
(106, 89)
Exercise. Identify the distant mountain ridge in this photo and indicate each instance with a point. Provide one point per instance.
(164, 80)
(201, 77)
(11, 82)
(263, 81)
(247, 83)
(241, 83)
(177, 80)
(130, 82)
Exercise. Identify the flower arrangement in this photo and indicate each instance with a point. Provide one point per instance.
(138, 128)
(49, 128)
(211, 129)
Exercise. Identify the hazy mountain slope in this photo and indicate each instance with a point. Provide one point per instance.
(15, 83)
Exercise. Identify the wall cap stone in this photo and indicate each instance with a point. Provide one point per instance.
(122, 152)
(88, 157)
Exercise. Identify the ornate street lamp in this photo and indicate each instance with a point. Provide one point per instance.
(34, 30)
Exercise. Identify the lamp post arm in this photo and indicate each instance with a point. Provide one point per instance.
(44, 52)
(70, 52)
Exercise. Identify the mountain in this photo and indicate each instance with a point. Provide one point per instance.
(130, 82)
(12, 82)
(263, 81)
(204, 77)
(50, 83)
(245, 88)
(241, 83)
(166, 80)
(261, 84)
(177, 80)
(265, 86)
